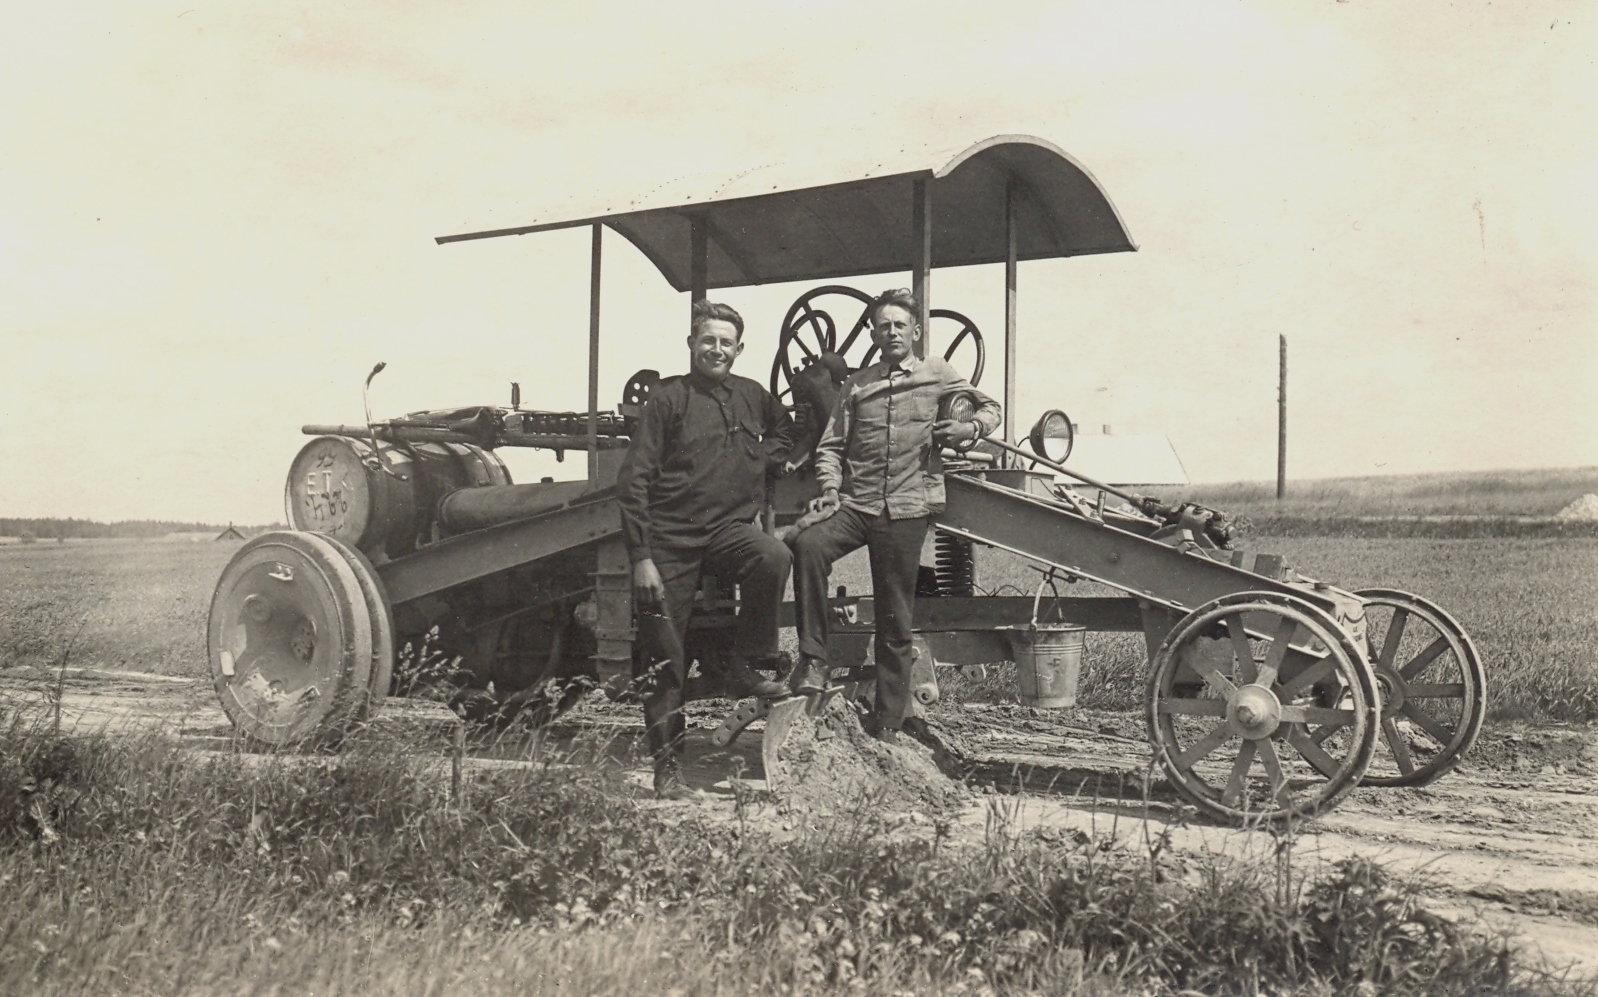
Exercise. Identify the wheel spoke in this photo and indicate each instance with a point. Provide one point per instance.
(1312, 751)
(1220, 683)
(1436, 690)
(1298, 714)
(1420, 661)
(1398, 745)
(1273, 768)
(821, 322)
(1320, 734)
(1241, 648)
(1395, 633)
(1201, 749)
(1234, 784)
(1426, 722)
(1286, 627)
(1194, 707)
(1308, 677)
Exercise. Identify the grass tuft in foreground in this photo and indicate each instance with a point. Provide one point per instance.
(138, 866)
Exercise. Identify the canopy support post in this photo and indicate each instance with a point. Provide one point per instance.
(1010, 243)
(921, 280)
(593, 355)
(698, 258)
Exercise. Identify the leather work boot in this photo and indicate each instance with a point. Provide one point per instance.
(809, 677)
(743, 682)
(669, 784)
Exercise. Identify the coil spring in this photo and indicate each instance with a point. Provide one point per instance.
(955, 564)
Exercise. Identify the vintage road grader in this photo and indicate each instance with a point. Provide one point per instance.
(1268, 694)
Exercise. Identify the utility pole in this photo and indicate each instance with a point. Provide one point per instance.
(1281, 425)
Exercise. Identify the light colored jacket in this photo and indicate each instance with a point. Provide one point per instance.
(877, 449)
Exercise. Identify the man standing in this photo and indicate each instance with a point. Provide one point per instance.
(689, 489)
(881, 476)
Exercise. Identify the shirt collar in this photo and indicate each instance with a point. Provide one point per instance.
(708, 385)
(909, 364)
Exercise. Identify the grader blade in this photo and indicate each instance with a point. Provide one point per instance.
(778, 721)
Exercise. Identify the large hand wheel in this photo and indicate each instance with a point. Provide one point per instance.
(1235, 708)
(833, 319)
(290, 639)
(810, 329)
(1434, 688)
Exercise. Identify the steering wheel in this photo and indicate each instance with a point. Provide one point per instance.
(809, 330)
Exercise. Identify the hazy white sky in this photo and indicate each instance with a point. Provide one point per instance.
(215, 218)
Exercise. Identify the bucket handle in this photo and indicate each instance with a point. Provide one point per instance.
(1048, 579)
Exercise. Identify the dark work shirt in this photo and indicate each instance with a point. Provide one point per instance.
(699, 461)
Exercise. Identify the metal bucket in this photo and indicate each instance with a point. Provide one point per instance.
(1048, 658)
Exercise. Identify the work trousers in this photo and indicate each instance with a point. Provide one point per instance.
(741, 553)
(895, 548)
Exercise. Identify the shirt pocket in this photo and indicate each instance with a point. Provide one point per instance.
(747, 440)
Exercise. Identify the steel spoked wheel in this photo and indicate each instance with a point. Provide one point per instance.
(1434, 688)
(290, 639)
(1237, 714)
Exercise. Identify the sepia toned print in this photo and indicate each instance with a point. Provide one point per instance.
(390, 603)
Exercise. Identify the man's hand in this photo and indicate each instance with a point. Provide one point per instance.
(648, 588)
(825, 504)
(959, 435)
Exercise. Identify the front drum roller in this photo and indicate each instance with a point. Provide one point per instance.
(1237, 715)
(1434, 688)
(290, 639)
(381, 612)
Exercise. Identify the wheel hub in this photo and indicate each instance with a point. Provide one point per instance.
(1255, 711)
(1393, 688)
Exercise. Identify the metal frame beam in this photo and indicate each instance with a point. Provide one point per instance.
(593, 352)
(921, 278)
(1010, 243)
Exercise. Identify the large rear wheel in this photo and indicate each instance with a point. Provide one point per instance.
(290, 639)
(1237, 714)
(1434, 688)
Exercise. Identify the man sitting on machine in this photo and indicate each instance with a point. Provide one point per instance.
(881, 475)
(692, 483)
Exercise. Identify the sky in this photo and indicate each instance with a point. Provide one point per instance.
(214, 219)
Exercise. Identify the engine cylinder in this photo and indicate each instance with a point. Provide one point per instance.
(381, 501)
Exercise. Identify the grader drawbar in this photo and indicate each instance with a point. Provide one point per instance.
(414, 564)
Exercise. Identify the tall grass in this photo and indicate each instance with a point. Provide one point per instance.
(139, 867)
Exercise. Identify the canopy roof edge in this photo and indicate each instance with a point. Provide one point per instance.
(770, 225)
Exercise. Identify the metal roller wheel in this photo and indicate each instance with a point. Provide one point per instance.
(1433, 685)
(1237, 715)
(290, 639)
(381, 612)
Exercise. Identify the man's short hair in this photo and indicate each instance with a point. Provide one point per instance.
(899, 297)
(714, 311)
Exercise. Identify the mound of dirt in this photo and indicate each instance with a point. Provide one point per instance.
(1584, 509)
(831, 765)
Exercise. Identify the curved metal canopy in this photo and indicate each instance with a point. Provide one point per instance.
(774, 224)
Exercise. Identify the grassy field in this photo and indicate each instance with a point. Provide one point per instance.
(1530, 604)
(1480, 493)
(127, 604)
(137, 867)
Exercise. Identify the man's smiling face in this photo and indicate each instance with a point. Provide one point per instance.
(713, 347)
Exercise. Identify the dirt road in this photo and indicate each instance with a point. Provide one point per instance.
(1509, 838)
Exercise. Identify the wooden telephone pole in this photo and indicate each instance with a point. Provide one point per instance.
(1281, 424)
